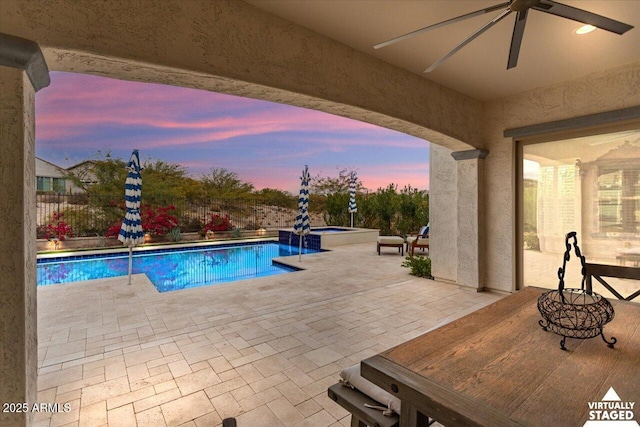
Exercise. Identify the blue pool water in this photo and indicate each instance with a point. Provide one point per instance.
(173, 269)
(328, 230)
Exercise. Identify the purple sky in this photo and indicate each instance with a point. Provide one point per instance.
(265, 143)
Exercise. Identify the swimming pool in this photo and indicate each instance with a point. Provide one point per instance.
(329, 230)
(174, 269)
(330, 236)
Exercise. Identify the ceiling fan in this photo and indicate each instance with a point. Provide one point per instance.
(521, 7)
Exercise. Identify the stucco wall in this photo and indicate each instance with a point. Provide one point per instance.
(18, 321)
(230, 46)
(443, 214)
(599, 92)
(470, 224)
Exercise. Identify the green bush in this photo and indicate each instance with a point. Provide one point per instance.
(336, 210)
(174, 234)
(413, 210)
(366, 215)
(189, 224)
(92, 220)
(420, 265)
(385, 206)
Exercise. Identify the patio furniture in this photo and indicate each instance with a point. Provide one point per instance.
(496, 367)
(419, 243)
(632, 255)
(598, 271)
(418, 239)
(354, 401)
(391, 241)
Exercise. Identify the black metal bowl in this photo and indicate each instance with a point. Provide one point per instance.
(575, 313)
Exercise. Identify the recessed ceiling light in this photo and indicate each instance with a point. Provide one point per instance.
(585, 29)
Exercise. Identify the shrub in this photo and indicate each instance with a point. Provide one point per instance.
(91, 220)
(155, 221)
(385, 208)
(252, 226)
(158, 221)
(336, 212)
(189, 224)
(420, 265)
(216, 222)
(175, 235)
(56, 229)
(413, 210)
(78, 199)
(114, 230)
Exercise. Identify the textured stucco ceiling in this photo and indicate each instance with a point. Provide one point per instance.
(551, 51)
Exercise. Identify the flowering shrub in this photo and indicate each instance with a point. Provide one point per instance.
(57, 228)
(114, 230)
(216, 222)
(155, 221)
(158, 221)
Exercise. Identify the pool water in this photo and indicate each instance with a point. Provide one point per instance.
(174, 269)
(328, 230)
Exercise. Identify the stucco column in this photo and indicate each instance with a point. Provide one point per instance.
(443, 212)
(20, 74)
(470, 218)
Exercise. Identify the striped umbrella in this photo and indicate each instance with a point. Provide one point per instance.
(302, 225)
(131, 230)
(353, 208)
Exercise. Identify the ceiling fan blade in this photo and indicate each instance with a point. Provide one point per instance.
(516, 39)
(442, 24)
(469, 39)
(580, 15)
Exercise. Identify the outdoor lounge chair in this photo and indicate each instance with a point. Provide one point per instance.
(391, 241)
(419, 243)
(418, 240)
(630, 254)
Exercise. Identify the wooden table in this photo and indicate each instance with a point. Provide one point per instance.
(497, 367)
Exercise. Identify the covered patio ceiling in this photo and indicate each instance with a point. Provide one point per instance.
(551, 51)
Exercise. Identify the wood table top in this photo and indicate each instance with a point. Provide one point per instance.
(497, 366)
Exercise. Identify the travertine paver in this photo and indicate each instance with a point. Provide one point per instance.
(262, 350)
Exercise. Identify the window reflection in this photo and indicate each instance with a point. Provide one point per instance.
(590, 185)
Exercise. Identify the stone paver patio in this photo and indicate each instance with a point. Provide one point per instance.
(262, 350)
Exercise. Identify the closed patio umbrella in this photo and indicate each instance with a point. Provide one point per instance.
(131, 230)
(353, 208)
(302, 225)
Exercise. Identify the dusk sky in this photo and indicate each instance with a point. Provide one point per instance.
(265, 143)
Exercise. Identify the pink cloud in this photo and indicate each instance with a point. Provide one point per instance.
(79, 104)
(372, 177)
(74, 107)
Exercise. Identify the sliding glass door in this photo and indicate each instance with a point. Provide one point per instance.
(590, 185)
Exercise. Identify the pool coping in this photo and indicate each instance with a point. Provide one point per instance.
(125, 249)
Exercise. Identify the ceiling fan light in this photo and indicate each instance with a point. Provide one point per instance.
(585, 29)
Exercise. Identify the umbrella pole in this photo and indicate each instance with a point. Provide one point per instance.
(130, 262)
(300, 250)
(351, 219)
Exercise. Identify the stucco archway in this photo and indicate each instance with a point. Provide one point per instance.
(226, 46)
(233, 47)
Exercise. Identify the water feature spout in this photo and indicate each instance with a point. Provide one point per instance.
(290, 245)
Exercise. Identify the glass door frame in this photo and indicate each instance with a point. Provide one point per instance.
(595, 124)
